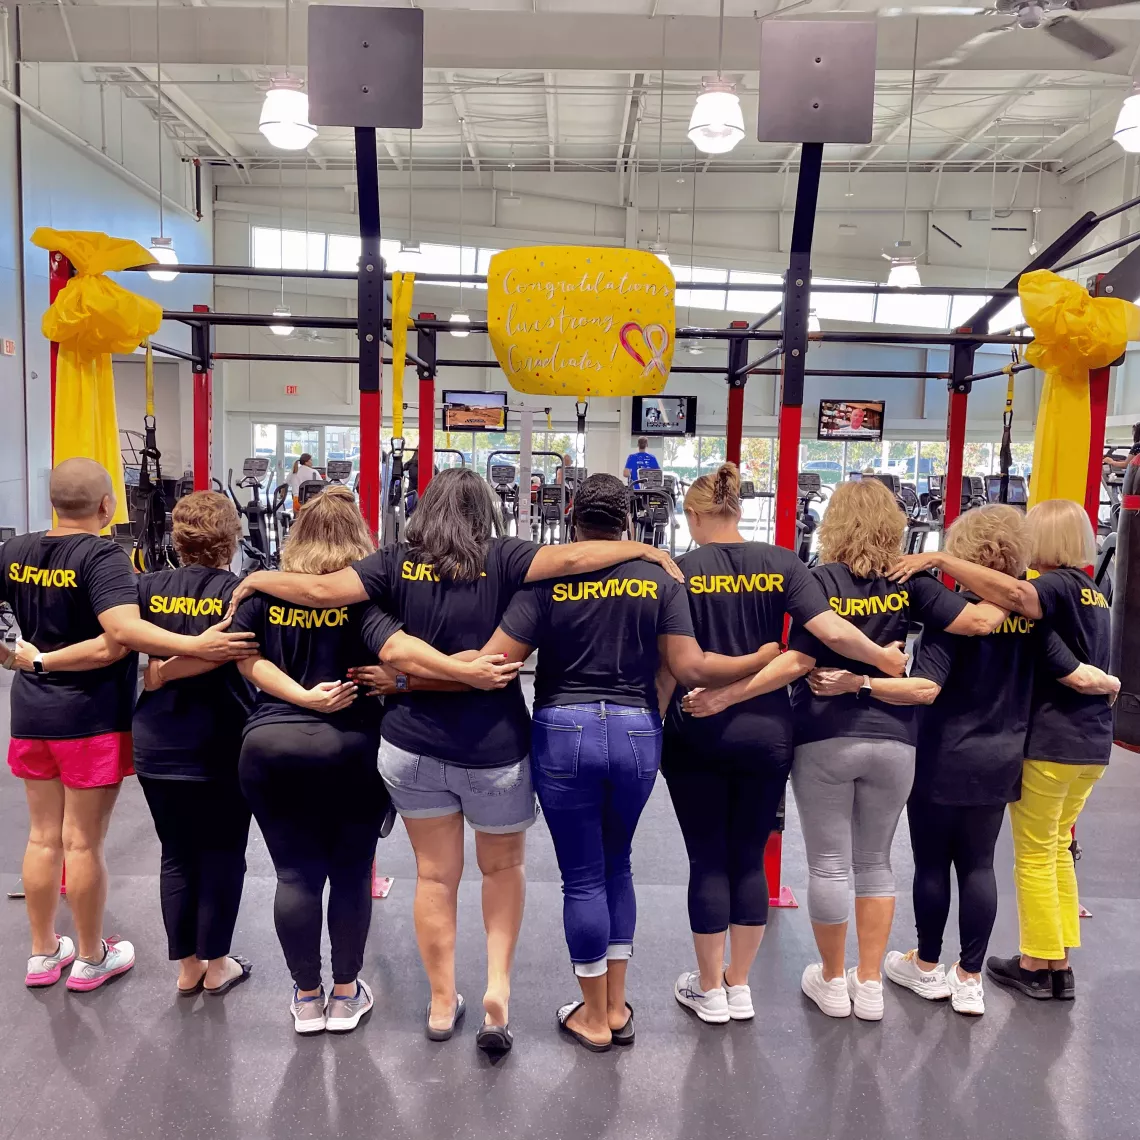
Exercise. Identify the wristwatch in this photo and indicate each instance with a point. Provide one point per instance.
(38, 664)
(864, 693)
(402, 683)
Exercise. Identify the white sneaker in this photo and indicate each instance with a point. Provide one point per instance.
(308, 1012)
(710, 1006)
(118, 958)
(831, 997)
(866, 997)
(47, 969)
(740, 1002)
(343, 1014)
(903, 970)
(965, 996)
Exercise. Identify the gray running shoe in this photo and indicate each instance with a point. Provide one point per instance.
(308, 1012)
(344, 1013)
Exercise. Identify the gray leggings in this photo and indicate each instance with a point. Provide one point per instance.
(850, 793)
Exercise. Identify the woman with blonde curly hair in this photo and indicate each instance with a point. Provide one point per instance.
(854, 757)
(971, 744)
(308, 758)
(1068, 742)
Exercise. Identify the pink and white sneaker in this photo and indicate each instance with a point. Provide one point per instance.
(118, 958)
(47, 969)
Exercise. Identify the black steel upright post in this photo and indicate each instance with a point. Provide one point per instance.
(370, 323)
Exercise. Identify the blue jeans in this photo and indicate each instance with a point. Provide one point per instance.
(594, 767)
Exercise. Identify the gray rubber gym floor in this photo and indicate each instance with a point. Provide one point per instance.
(132, 1060)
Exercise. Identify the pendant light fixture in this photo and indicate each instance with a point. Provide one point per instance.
(717, 123)
(461, 318)
(1127, 131)
(283, 328)
(510, 198)
(904, 264)
(410, 247)
(285, 113)
(161, 247)
(657, 247)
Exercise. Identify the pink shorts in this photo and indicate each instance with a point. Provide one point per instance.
(88, 762)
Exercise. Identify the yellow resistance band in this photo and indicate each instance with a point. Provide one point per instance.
(403, 285)
(149, 379)
(549, 422)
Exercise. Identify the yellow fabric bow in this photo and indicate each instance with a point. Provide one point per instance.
(1073, 333)
(91, 318)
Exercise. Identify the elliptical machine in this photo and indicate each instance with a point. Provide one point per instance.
(255, 547)
(807, 520)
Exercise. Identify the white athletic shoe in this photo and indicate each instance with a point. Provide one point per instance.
(308, 1012)
(118, 958)
(903, 970)
(343, 1014)
(739, 1002)
(866, 997)
(831, 997)
(965, 996)
(710, 1006)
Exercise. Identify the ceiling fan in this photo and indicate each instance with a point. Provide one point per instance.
(1028, 15)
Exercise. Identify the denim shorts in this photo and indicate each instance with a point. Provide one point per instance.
(496, 800)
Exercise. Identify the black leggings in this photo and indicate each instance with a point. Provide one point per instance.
(203, 827)
(726, 803)
(965, 837)
(319, 801)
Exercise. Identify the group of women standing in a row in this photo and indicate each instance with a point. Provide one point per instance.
(458, 607)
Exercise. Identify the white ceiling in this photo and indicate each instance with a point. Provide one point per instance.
(536, 83)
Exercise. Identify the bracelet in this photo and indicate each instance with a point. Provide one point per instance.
(9, 663)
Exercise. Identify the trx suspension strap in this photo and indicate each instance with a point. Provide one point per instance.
(1005, 457)
(150, 551)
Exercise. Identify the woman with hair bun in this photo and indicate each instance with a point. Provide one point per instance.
(854, 757)
(727, 773)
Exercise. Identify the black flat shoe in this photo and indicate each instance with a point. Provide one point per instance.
(449, 1032)
(564, 1015)
(624, 1035)
(1037, 984)
(1064, 984)
(495, 1038)
(246, 969)
(194, 990)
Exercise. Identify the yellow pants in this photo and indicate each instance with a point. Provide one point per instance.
(1052, 796)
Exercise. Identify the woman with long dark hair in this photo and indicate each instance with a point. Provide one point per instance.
(308, 759)
(727, 773)
(450, 756)
(1068, 744)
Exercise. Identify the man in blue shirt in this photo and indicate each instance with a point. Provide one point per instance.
(640, 460)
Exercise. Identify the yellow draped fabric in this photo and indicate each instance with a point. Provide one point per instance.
(1073, 333)
(91, 318)
(402, 287)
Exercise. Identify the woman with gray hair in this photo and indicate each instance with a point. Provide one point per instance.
(448, 753)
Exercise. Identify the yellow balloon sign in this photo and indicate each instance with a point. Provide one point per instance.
(581, 321)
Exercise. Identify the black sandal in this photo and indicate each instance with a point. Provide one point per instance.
(195, 990)
(246, 969)
(564, 1015)
(449, 1032)
(624, 1035)
(494, 1038)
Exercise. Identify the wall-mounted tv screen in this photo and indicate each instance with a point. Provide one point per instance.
(474, 411)
(664, 415)
(851, 419)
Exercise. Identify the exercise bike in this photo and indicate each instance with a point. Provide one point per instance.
(255, 546)
(807, 520)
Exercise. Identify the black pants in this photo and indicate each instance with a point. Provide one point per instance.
(319, 801)
(726, 803)
(203, 826)
(964, 837)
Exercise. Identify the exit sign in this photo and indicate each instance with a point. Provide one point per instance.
(8, 347)
(290, 389)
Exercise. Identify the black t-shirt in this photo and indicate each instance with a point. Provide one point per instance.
(474, 729)
(57, 588)
(596, 634)
(739, 594)
(190, 729)
(314, 646)
(883, 610)
(1064, 725)
(971, 741)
